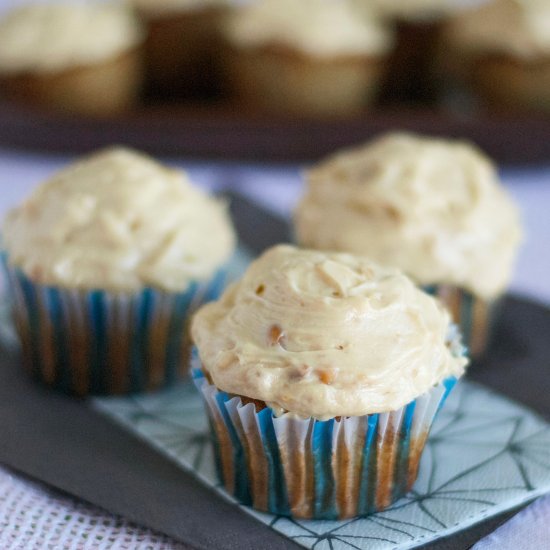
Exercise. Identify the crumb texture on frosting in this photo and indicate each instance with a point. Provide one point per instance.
(315, 27)
(62, 35)
(324, 335)
(118, 220)
(520, 28)
(432, 208)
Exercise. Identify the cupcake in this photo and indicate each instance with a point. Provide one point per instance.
(321, 374)
(310, 57)
(81, 58)
(430, 207)
(502, 51)
(182, 47)
(104, 263)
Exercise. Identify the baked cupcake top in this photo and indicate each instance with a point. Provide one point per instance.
(324, 335)
(520, 28)
(119, 221)
(159, 7)
(57, 36)
(314, 27)
(433, 208)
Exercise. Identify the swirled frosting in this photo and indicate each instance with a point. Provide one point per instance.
(432, 208)
(119, 221)
(56, 36)
(520, 28)
(324, 335)
(315, 27)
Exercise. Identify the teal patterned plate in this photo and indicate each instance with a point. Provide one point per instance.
(485, 455)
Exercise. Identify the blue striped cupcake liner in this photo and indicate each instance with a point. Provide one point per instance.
(313, 469)
(473, 315)
(101, 342)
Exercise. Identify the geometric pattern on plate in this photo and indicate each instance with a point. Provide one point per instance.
(485, 455)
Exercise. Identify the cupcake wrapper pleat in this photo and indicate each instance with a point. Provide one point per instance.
(104, 342)
(474, 316)
(307, 468)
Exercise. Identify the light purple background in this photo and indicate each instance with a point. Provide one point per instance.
(278, 188)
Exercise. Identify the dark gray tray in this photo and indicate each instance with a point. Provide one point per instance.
(220, 130)
(64, 443)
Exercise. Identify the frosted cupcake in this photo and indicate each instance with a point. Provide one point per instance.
(502, 50)
(432, 208)
(310, 57)
(182, 46)
(105, 261)
(81, 58)
(321, 374)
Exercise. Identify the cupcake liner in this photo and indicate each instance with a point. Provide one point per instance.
(474, 316)
(313, 469)
(280, 80)
(104, 342)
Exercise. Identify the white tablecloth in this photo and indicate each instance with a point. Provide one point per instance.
(33, 516)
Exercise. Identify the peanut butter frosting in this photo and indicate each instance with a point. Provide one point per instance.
(315, 27)
(119, 221)
(430, 207)
(417, 10)
(61, 35)
(324, 335)
(161, 7)
(520, 28)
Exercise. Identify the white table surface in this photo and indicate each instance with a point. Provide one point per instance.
(32, 516)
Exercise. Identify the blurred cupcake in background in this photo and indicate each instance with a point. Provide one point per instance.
(104, 263)
(502, 51)
(321, 374)
(182, 48)
(411, 75)
(310, 57)
(433, 208)
(83, 58)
